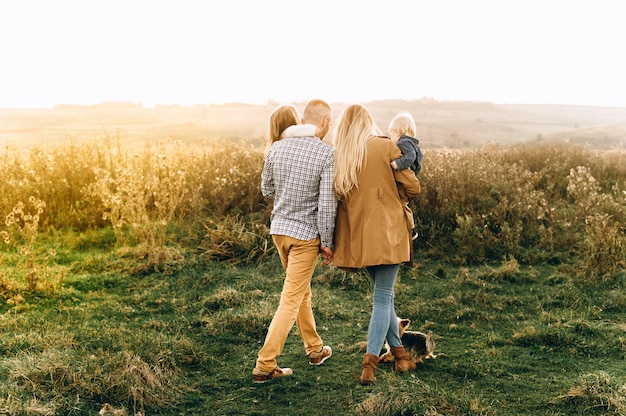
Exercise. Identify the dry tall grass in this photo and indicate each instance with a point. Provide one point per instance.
(535, 203)
(531, 202)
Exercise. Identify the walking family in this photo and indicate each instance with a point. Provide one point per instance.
(348, 202)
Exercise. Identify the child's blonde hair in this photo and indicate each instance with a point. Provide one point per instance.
(404, 123)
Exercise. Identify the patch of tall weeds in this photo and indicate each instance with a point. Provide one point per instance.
(230, 179)
(22, 229)
(140, 197)
(601, 216)
(603, 250)
(538, 203)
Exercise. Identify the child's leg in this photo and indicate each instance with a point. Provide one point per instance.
(410, 221)
(409, 216)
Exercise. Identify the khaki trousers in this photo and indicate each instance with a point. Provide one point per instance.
(299, 259)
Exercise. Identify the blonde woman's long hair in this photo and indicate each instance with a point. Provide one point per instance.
(282, 117)
(355, 128)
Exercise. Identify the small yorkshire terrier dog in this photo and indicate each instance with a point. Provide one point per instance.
(418, 345)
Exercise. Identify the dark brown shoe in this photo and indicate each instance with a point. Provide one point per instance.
(259, 376)
(369, 366)
(403, 361)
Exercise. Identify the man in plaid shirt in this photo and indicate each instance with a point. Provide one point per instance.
(298, 175)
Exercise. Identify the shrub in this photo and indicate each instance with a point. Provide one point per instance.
(603, 250)
(22, 230)
(528, 201)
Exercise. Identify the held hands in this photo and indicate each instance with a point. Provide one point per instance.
(327, 253)
(393, 164)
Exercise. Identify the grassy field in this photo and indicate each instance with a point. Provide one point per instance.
(138, 277)
(511, 340)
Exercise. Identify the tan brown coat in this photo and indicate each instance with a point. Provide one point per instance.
(371, 226)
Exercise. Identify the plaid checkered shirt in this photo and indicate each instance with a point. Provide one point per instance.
(298, 175)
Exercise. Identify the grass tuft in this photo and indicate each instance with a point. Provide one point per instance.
(596, 392)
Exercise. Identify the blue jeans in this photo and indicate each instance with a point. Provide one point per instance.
(384, 322)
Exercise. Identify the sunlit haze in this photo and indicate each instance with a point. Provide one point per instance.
(201, 52)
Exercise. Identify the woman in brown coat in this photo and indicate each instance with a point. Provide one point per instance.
(372, 230)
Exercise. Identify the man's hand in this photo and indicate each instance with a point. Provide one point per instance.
(327, 252)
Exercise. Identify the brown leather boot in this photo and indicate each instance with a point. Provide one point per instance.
(403, 362)
(370, 361)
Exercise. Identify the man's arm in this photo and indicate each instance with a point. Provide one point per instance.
(327, 205)
(267, 179)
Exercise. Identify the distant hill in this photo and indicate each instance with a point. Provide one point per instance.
(439, 124)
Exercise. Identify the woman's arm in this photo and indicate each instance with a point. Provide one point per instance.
(409, 181)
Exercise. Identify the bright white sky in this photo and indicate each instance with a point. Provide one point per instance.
(204, 51)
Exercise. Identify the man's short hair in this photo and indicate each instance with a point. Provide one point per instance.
(315, 111)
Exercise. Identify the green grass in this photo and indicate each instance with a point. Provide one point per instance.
(511, 340)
